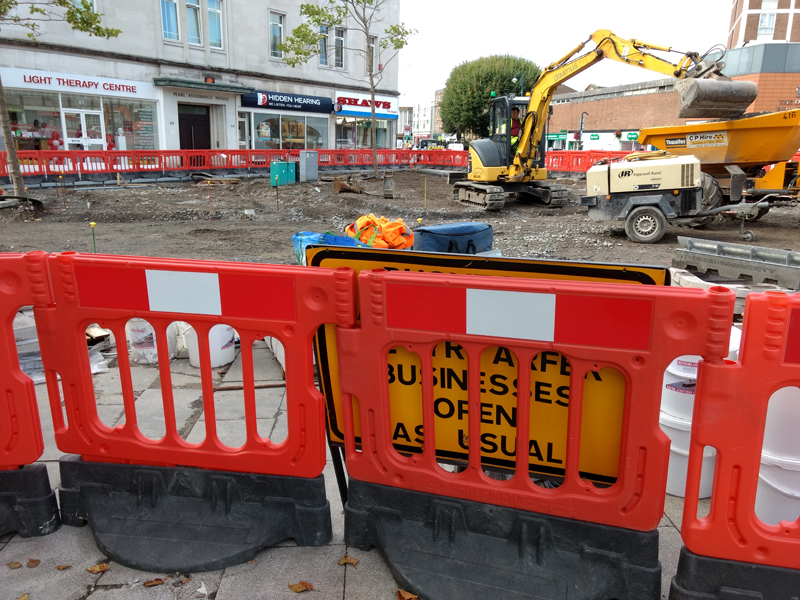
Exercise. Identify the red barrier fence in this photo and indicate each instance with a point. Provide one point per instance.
(730, 415)
(289, 303)
(578, 161)
(23, 281)
(630, 329)
(163, 162)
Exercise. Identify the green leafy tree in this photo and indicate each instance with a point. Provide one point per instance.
(469, 87)
(310, 39)
(29, 15)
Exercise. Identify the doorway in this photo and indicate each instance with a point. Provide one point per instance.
(85, 130)
(244, 131)
(194, 126)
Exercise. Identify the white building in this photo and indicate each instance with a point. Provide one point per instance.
(423, 121)
(195, 74)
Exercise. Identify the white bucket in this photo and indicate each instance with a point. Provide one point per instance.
(686, 366)
(677, 397)
(780, 431)
(142, 341)
(679, 432)
(222, 344)
(778, 496)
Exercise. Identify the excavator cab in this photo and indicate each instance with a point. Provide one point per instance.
(502, 154)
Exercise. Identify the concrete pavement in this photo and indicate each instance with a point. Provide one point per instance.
(268, 577)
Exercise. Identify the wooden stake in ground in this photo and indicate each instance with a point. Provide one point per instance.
(94, 245)
(277, 198)
(210, 206)
(426, 196)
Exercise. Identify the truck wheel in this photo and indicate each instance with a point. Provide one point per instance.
(645, 225)
(712, 198)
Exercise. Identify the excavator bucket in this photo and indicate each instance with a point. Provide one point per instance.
(715, 98)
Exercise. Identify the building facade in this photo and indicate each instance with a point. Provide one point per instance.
(423, 121)
(405, 126)
(197, 74)
(763, 21)
(438, 127)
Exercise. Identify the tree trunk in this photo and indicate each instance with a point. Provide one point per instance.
(374, 125)
(11, 150)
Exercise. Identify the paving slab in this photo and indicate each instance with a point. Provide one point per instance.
(268, 578)
(669, 548)
(231, 432)
(370, 579)
(150, 410)
(142, 377)
(265, 367)
(120, 575)
(68, 546)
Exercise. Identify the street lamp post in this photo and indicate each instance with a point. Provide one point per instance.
(521, 85)
(584, 114)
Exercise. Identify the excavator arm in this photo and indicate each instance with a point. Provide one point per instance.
(716, 97)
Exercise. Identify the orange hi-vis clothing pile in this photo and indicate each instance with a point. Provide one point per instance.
(381, 232)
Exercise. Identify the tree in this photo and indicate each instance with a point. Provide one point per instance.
(469, 87)
(29, 15)
(311, 38)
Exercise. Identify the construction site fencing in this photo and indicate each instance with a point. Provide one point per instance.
(27, 501)
(567, 162)
(48, 165)
(731, 545)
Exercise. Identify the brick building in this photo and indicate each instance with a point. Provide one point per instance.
(764, 21)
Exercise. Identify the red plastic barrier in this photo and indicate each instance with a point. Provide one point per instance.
(636, 330)
(23, 281)
(289, 303)
(53, 163)
(730, 414)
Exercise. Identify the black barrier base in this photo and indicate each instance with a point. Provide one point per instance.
(704, 578)
(27, 502)
(448, 549)
(186, 519)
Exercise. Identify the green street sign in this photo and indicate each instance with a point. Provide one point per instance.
(556, 136)
(632, 135)
(563, 131)
(594, 136)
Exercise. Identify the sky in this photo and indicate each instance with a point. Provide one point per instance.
(451, 32)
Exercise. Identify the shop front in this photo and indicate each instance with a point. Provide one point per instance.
(354, 120)
(284, 121)
(62, 111)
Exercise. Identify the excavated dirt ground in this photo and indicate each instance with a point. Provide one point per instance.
(175, 220)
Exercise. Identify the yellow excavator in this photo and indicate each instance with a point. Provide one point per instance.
(498, 167)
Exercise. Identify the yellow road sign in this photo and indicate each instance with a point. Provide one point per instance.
(604, 390)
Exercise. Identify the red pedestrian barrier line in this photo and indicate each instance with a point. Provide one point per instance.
(54, 163)
(288, 303)
(635, 331)
(23, 281)
(730, 414)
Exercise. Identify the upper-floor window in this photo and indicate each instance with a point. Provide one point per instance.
(169, 20)
(372, 46)
(766, 26)
(193, 21)
(79, 4)
(769, 4)
(338, 49)
(215, 23)
(275, 34)
(323, 46)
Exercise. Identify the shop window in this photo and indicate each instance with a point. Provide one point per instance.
(193, 21)
(316, 133)
(130, 124)
(215, 23)
(323, 46)
(339, 49)
(169, 20)
(35, 116)
(78, 102)
(275, 34)
(267, 132)
(293, 133)
(352, 133)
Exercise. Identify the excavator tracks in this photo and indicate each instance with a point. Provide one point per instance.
(488, 197)
(559, 195)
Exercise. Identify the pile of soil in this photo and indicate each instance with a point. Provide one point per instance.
(185, 220)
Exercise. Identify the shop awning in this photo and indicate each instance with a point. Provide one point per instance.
(228, 88)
